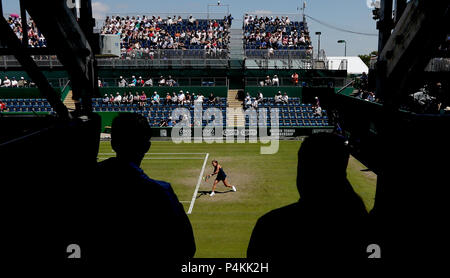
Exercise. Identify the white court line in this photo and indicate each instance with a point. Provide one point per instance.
(156, 153)
(163, 158)
(194, 197)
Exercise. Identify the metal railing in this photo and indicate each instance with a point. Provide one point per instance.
(181, 81)
(288, 63)
(161, 58)
(197, 15)
(306, 81)
(292, 16)
(162, 63)
(41, 60)
(165, 54)
(289, 54)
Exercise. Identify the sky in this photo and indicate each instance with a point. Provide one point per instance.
(353, 15)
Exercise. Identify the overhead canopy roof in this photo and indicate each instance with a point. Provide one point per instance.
(354, 64)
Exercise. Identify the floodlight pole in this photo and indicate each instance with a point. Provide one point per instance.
(345, 46)
(303, 13)
(318, 45)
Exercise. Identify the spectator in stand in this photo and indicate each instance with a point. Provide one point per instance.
(122, 82)
(124, 99)
(100, 84)
(118, 99)
(162, 81)
(14, 82)
(317, 111)
(285, 35)
(170, 82)
(188, 98)
(136, 98)
(170, 122)
(111, 98)
(268, 81)
(155, 99)
(212, 99)
(200, 98)
(2, 106)
(329, 212)
(260, 97)
(142, 100)
(22, 83)
(191, 20)
(35, 37)
(130, 98)
(106, 99)
(278, 97)
(140, 36)
(125, 189)
(276, 81)
(247, 102)
(6, 82)
(317, 101)
(285, 98)
(174, 98)
(364, 79)
(140, 82)
(168, 99)
(295, 79)
(133, 81)
(181, 98)
(149, 83)
(255, 103)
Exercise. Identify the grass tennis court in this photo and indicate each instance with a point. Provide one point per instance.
(223, 224)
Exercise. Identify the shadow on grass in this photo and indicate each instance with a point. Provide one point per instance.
(204, 193)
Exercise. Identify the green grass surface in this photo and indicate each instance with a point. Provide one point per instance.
(223, 224)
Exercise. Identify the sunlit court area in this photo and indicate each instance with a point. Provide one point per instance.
(222, 225)
(223, 137)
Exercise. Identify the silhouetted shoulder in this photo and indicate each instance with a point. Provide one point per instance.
(273, 231)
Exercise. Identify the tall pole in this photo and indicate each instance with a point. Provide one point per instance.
(318, 50)
(318, 45)
(345, 46)
(303, 10)
(345, 51)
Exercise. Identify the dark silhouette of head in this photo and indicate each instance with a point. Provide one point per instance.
(130, 137)
(322, 170)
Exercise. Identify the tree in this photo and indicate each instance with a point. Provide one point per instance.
(366, 58)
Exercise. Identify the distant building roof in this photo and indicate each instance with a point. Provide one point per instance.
(354, 64)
